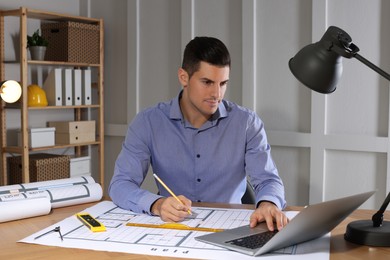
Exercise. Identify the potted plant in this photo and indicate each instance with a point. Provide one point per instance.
(37, 45)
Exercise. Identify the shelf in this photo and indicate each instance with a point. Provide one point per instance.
(54, 63)
(78, 112)
(63, 107)
(17, 106)
(19, 150)
(61, 63)
(50, 16)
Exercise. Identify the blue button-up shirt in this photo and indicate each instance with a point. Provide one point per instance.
(207, 164)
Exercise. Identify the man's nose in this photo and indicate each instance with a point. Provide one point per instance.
(216, 91)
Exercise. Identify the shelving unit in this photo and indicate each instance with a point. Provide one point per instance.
(24, 150)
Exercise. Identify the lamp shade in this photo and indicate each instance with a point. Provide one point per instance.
(10, 91)
(317, 68)
(319, 65)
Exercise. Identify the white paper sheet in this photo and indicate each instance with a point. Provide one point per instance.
(37, 198)
(165, 242)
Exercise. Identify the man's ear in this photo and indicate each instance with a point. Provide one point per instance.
(183, 77)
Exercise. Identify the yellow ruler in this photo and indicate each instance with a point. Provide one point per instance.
(174, 226)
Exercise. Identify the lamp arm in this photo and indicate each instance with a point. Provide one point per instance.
(377, 218)
(350, 50)
(372, 66)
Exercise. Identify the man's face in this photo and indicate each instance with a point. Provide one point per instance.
(205, 89)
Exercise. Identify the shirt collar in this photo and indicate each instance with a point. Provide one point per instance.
(176, 114)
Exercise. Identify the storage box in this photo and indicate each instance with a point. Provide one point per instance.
(42, 167)
(72, 42)
(73, 126)
(80, 166)
(39, 137)
(74, 132)
(74, 138)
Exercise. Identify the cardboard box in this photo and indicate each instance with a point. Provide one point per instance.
(80, 166)
(68, 127)
(72, 41)
(42, 167)
(39, 137)
(74, 138)
(74, 132)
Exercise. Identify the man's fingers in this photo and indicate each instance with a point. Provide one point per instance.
(174, 211)
(281, 220)
(253, 221)
(269, 213)
(270, 222)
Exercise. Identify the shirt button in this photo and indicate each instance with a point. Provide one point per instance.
(198, 180)
(198, 155)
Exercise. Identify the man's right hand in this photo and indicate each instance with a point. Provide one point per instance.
(170, 210)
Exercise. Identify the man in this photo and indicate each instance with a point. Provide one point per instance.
(200, 145)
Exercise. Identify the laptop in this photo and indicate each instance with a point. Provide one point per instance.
(312, 222)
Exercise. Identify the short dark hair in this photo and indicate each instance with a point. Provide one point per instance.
(207, 49)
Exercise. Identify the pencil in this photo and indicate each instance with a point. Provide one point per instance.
(169, 190)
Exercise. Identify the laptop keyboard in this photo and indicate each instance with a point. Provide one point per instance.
(253, 241)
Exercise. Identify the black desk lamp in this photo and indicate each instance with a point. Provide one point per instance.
(319, 67)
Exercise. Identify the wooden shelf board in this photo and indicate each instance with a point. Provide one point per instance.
(17, 106)
(18, 150)
(50, 16)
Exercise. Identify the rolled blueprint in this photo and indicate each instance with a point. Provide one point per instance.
(37, 198)
(26, 208)
(76, 194)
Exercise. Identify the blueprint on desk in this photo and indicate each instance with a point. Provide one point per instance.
(165, 242)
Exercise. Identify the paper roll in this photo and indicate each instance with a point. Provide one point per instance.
(76, 194)
(18, 209)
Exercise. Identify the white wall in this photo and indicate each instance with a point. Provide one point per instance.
(334, 145)
(324, 146)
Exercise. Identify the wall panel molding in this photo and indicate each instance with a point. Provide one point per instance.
(249, 53)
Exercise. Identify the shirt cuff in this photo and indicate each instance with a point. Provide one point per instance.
(147, 202)
(271, 199)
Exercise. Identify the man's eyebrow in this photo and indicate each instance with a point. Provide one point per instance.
(207, 79)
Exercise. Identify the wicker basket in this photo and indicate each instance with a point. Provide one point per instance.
(72, 42)
(42, 166)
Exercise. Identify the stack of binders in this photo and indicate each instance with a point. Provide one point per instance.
(68, 87)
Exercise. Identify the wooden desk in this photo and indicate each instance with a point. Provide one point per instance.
(10, 232)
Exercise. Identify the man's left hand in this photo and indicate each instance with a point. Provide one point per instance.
(270, 213)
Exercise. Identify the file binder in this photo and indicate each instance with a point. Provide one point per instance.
(67, 87)
(76, 84)
(53, 87)
(86, 87)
